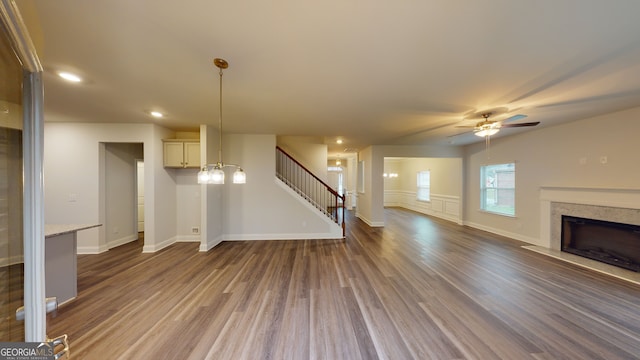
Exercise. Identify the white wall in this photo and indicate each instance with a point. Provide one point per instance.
(74, 166)
(567, 155)
(264, 208)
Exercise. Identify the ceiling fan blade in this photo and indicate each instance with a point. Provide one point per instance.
(521, 124)
(514, 118)
(462, 133)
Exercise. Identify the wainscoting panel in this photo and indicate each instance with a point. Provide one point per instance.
(442, 206)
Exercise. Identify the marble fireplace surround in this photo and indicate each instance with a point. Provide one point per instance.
(617, 205)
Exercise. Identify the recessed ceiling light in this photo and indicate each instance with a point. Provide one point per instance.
(339, 141)
(156, 114)
(70, 77)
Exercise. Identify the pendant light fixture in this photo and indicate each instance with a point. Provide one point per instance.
(214, 173)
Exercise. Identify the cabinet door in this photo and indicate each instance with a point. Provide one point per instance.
(192, 154)
(173, 154)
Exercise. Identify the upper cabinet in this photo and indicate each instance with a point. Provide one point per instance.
(182, 153)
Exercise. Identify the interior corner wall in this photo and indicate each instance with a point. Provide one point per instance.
(72, 166)
(599, 152)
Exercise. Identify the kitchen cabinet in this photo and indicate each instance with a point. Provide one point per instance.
(181, 153)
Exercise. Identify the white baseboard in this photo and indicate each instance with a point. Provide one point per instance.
(151, 248)
(511, 235)
(92, 250)
(188, 238)
(369, 222)
(297, 236)
(124, 240)
(206, 246)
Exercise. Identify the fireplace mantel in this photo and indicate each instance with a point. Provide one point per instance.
(622, 198)
(613, 204)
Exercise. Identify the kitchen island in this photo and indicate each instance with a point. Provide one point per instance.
(61, 274)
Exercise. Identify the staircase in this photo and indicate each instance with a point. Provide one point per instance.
(310, 187)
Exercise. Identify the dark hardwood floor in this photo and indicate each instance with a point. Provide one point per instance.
(419, 288)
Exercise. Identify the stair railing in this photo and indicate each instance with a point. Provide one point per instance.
(310, 187)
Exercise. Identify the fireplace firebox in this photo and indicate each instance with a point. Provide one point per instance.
(609, 242)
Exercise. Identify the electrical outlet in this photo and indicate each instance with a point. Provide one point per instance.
(195, 230)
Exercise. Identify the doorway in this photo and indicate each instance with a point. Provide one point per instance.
(140, 199)
(122, 167)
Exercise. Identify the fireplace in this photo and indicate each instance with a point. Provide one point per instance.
(606, 241)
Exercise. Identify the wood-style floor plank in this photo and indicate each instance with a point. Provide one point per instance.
(419, 288)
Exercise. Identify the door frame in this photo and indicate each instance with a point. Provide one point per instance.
(33, 145)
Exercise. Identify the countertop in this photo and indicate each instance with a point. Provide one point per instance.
(59, 229)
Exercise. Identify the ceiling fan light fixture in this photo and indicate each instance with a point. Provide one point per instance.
(486, 132)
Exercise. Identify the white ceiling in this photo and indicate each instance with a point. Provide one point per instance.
(370, 72)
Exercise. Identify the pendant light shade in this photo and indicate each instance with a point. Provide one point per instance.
(203, 176)
(214, 173)
(216, 176)
(239, 176)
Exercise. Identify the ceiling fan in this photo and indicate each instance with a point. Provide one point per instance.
(488, 127)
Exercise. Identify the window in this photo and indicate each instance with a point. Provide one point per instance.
(424, 185)
(498, 188)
